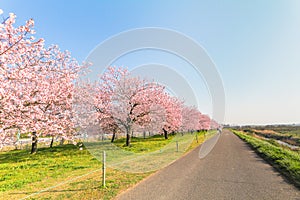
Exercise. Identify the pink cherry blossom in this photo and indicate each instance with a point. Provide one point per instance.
(131, 103)
(37, 84)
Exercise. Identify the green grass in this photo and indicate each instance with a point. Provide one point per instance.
(23, 174)
(143, 155)
(286, 161)
(19, 168)
(141, 145)
(156, 142)
(200, 137)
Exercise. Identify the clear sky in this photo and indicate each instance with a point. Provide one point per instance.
(254, 44)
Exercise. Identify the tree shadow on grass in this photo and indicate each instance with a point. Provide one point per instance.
(56, 191)
(15, 156)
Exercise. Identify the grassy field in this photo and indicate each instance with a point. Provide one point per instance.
(286, 161)
(283, 129)
(65, 172)
(286, 133)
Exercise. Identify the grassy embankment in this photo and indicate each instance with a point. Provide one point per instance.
(284, 160)
(65, 172)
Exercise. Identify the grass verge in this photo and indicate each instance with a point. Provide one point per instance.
(285, 161)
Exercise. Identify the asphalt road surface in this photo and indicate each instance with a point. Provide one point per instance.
(230, 171)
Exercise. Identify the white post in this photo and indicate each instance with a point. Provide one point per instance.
(103, 168)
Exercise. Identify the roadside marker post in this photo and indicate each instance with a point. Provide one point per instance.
(103, 169)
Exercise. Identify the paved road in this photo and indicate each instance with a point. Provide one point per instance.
(231, 171)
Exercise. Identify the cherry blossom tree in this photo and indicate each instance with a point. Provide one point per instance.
(130, 101)
(84, 105)
(37, 84)
(173, 113)
(156, 122)
(190, 119)
(204, 122)
(214, 124)
(12, 47)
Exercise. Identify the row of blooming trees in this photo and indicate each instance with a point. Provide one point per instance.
(40, 94)
(125, 103)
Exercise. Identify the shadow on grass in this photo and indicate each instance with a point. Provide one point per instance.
(56, 191)
(24, 155)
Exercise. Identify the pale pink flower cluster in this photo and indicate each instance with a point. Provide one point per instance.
(36, 84)
(126, 103)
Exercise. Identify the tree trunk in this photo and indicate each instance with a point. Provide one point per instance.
(144, 134)
(127, 139)
(128, 131)
(165, 133)
(62, 141)
(34, 143)
(113, 137)
(51, 144)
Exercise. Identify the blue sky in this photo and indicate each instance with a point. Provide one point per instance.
(254, 44)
